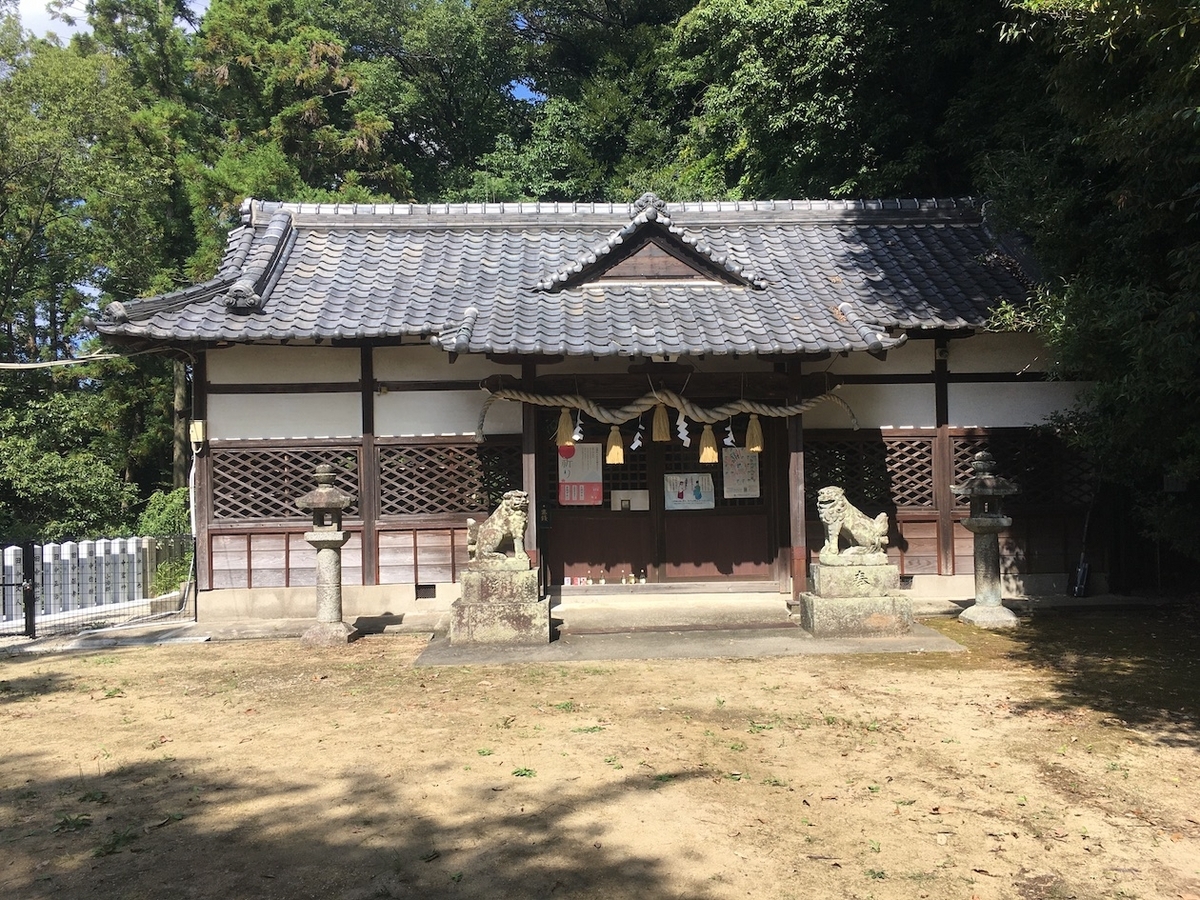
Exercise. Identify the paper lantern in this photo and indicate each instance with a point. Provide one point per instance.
(754, 435)
(615, 452)
(708, 446)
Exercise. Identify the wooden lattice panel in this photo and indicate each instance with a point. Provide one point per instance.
(875, 473)
(264, 482)
(1048, 472)
(445, 478)
(632, 475)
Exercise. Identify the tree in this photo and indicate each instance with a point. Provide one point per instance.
(81, 172)
(1122, 242)
(441, 72)
(824, 98)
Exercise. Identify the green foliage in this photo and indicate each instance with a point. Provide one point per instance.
(166, 513)
(1113, 213)
(828, 97)
(170, 574)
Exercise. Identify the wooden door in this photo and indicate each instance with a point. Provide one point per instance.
(737, 539)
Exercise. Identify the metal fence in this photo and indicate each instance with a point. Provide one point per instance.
(69, 586)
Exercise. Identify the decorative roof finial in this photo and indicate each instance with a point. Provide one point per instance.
(649, 199)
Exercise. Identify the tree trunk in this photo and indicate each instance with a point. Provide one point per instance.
(179, 456)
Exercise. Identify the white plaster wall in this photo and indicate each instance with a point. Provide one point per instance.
(619, 365)
(426, 413)
(259, 416)
(878, 406)
(1008, 405)
(1007, 352)
(910, 358)
(421, 362)
(258, 364)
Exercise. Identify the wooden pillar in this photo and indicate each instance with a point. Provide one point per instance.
(943, 457)
(529, 479)
(799, 535)
(368, 475)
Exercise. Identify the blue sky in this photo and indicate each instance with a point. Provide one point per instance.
(35, 18)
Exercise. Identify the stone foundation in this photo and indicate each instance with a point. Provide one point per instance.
(500, 606)
(838, 617)
(854, 599)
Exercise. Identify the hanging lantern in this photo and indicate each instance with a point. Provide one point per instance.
(564, 437)
(754, 435)
(708, 446)
(615, 452)
(661, 430)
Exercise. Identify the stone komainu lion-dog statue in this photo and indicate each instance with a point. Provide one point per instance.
(866, 535)
(485, 541)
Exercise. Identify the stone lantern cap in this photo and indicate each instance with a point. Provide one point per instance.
(325, 498)
(985, 482)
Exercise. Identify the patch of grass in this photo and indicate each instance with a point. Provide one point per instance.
(94, 797)
(614, 762)
(524, 772)
(877, 874)
(567, 706)
(485, 751)
(738, 746)
(772, 781)
(588, 729)
(664, 777)
(116, 842)
(759, 727)
(72, 823)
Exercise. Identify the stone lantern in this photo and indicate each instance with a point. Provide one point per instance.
(327, 504)
(986, 490)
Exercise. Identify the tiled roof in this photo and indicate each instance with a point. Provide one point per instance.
(803, 277)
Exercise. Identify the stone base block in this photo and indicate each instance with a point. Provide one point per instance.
(499, 586)
(855, 581)
(989, 616)
(329, 634)
(838, 617)
(500, 622)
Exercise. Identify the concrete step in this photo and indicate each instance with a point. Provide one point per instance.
(620, 614)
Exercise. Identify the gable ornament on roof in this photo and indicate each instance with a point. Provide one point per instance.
(652, 224)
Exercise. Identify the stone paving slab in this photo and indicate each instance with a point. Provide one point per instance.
(735, 644)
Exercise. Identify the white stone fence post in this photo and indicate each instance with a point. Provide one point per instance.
(82, 575)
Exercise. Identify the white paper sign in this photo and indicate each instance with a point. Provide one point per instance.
(739, 468)
(689, 491)
(580, 476)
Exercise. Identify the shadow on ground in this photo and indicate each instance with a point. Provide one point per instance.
(1139, 665)
(143, 831)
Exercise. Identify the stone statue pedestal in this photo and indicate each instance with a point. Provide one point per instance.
(988, 610)
(330, 630)
(500, 605)
(855, 596)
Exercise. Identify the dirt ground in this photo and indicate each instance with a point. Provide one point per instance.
(1059, 761)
